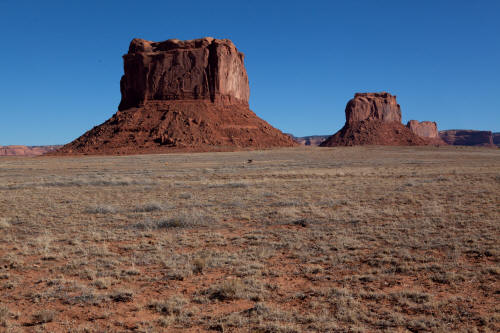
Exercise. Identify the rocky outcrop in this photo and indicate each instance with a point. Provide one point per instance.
(181, 96)
(467, 138)
(374, 119)
(427, 130)
(18, 150)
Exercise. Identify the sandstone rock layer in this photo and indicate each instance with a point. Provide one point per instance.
(181, 96)
(467, 138)
(427, 130)
(374, 119)
(373, 106)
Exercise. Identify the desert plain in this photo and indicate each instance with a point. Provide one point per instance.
(307, 239)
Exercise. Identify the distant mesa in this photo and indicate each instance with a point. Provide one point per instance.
(19, 150)
(181, 96)
(469, 138)
(375, 119)
(311, 140)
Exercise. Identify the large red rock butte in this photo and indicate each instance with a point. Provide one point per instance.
(374, 119)
(181, 96)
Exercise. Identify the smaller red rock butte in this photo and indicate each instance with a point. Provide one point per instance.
(374, 119)
(427, 130)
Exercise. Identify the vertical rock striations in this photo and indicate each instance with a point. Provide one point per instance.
(181, 96)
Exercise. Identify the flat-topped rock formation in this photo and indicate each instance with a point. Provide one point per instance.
(467, 138)
(427, 130)
(200, 69)
(372, 106)
(181, 96)
(19, 150)
(374, 119)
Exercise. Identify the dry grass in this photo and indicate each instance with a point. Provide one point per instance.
(356, 239)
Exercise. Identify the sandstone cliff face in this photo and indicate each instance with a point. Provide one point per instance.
(374, 119)
(200, 69)
(426, 129)
(373, 106)
(19, 150)
(181, 96)
(467, 138)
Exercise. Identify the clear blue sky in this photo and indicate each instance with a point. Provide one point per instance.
(60, 61)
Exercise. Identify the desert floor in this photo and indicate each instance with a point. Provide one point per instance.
(355, 239)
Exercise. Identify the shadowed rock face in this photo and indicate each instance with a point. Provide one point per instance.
(373, 106)
(467, 138)
(374, 119)
(199, 69)
(181, 96)
(496, 139)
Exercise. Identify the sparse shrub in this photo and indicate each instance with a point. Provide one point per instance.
(199, 265)
(185, 196)
(172, 306)
(101, 209)
(227, 290)
(122, 296)
(149, 207)
(183, 220)
(4, 313)
(42, 317)
(4, 223)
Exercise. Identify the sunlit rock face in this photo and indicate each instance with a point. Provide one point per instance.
(198, 69)
(425, 129)
(373, 106)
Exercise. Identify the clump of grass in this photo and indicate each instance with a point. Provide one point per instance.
(122, 296)
(42, 317)
(4, 223)
(183, 220)
(171, 306)
(227, 290)
(4, 314)
(101, 209)
(149, 207)
(199, 265)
